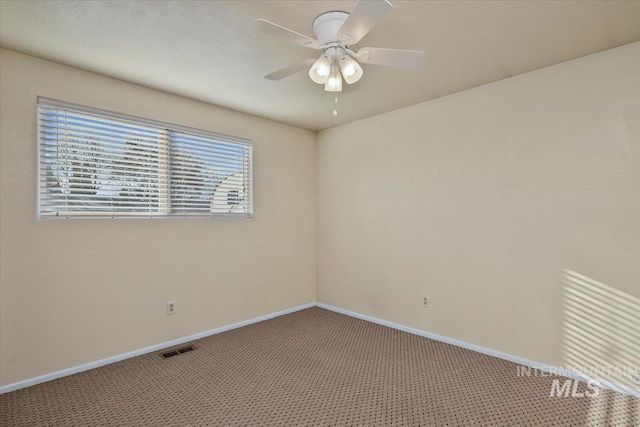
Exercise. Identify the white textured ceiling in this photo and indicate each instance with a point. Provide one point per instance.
(205, 50)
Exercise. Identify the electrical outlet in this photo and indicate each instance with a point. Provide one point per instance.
(171, 307)
(425, 301)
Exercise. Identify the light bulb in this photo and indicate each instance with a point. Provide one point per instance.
(322, 70)
(351, 70)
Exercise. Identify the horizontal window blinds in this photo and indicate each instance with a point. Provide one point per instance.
(93, 163)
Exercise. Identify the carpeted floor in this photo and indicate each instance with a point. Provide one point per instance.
(312, 368)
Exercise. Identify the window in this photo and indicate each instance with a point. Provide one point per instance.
(98, 164)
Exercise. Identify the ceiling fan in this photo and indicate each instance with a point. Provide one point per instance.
(335, 33)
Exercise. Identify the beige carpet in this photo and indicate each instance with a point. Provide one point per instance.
(311, 368)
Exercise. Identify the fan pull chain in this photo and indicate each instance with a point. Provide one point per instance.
(335, 108)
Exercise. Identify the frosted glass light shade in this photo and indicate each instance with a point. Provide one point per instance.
(320, 69)
(351, 70)
(334, 82)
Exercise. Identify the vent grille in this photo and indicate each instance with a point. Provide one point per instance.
(178, 351)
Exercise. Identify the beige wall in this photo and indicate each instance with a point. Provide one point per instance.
(515, 206)
(75, 291)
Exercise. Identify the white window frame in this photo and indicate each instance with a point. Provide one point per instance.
(167, 129)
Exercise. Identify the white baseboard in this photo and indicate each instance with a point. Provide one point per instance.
(515, 359)
(150, 349)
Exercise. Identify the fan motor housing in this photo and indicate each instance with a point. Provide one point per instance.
(327, 25)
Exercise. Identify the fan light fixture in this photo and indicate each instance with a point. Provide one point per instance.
(332, 66)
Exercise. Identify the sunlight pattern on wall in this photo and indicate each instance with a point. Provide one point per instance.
(601, 331)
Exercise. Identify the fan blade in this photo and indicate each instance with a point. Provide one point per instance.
(291, 69)
(363, 18)
(391, 57)
(276, 30)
